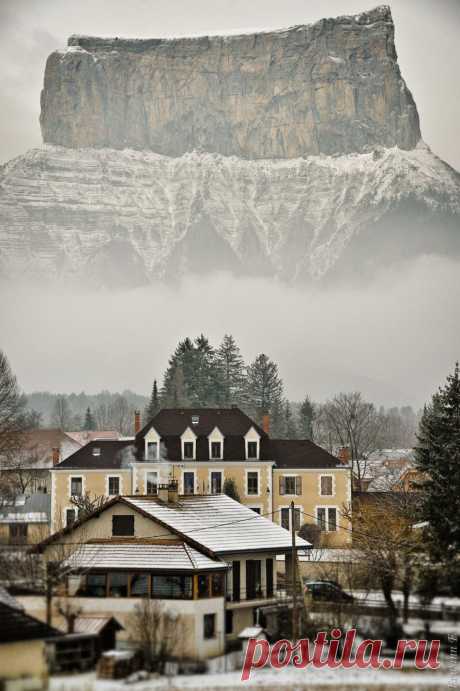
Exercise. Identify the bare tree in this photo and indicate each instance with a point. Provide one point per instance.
(13, 418)
(158, 633)
(85, 504)
(62, 415)
(388, 546)
(348, 420)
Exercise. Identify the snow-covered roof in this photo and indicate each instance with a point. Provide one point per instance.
(166, 556)
(219, 523)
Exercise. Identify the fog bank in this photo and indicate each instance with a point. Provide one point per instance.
(395, 339)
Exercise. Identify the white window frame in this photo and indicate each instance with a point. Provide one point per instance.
(107, 484)
(299, 507)
(83, 489)
(252, 435)
(188, 436)
(333, 484)
(216, 470)
(70, 508)
(287, 494)
(252, 470)
(216, 436)
(152, 436)
(145, 479)
(188, 470)
(337, 517)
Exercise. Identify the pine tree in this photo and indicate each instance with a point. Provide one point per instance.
(154, 403)
(306, 417)
(89, 423)
(438, 458)
(290, 427)
(264, 389)
(230, 489)
(231, 369)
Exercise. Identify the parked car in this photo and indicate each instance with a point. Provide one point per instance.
(327, 591)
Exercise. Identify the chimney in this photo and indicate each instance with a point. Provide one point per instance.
(173, 492)
(56, 455)
(266, 423)
(344, 455)
(137, 421)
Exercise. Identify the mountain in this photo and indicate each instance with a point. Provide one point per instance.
(294, 154)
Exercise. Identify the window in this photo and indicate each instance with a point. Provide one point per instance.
(172, 587)
(228, 621)
(152, 450)
(253, 481)
(285, 522)
(269, 576)
(95, 585)
(70, 516)
(118, 585)
(96, 451)
(216, 482)
(326, 484)
(286, 518)
(189, 482)
(195, 419)
(291, 484)
(256, 509)
(209, 626)
(327, 519)
(203, 586)
(123, 525)
(217, 584)
(253, 449)
(18, 534)
(236, 578)
(216, 449)
(253, 578)
(76, 486)
(139, 585)
(189, 449)
(151, 483)
(114, 486)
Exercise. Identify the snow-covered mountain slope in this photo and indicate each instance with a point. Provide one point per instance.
(127, 217)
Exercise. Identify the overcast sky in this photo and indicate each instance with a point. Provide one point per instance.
(427, 41)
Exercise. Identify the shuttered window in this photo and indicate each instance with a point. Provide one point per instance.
(123, 525)
(291, 484)
(326, 486)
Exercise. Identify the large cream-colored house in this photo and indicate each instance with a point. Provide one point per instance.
(205, 559)
(201, 448)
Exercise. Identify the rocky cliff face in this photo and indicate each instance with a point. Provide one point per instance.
(119, 218)
(331, 87)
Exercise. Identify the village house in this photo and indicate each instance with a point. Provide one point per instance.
(201, 449)
(206, 559)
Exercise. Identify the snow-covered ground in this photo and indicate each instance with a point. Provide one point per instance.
(293, 679)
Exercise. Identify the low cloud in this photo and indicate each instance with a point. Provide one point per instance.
(394, 339)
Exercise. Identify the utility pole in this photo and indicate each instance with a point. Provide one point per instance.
(294, 578)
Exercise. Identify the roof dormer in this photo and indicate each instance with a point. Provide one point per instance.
(216, 444)
(252, 444)
(152, 445)
(188, 445)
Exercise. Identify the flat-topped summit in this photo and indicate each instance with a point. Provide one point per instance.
(329, 87)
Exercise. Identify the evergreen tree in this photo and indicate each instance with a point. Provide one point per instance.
(306, 417)
(290, 427)
(154, 403)
(438, 458)
(230, 489)
(89, 423)
(264, 390)
(231, 369)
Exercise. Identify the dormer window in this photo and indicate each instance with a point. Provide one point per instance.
(252, 443)
(188, 442)
(189, 450)
(152, 445)
(253, 449)
(216, 444)
(216, 449)
(152, 451)
(195, 419)
(96, 451)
